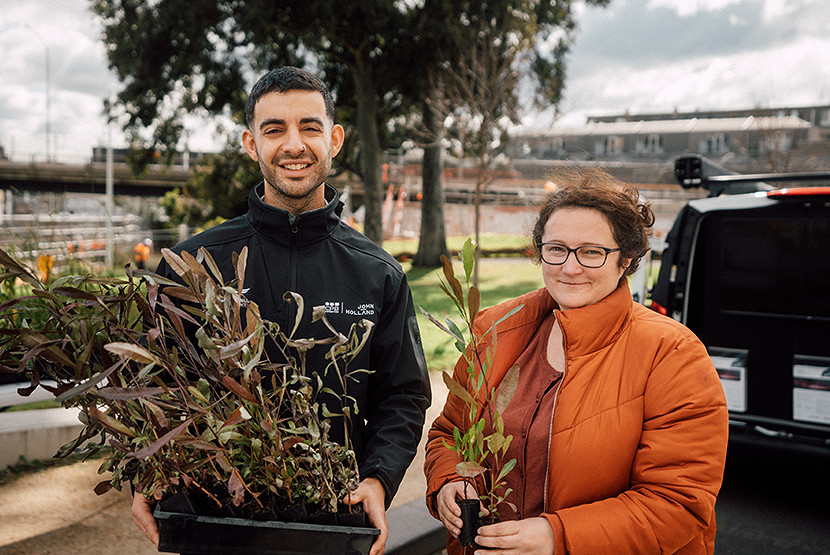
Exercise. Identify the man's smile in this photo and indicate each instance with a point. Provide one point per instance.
(295, 166)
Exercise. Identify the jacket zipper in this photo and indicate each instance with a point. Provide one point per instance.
(553, 412)
(293, 220)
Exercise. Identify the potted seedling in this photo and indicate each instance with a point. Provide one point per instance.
(481, 448)
(177, 392)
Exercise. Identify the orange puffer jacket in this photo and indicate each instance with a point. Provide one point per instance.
(639, 433)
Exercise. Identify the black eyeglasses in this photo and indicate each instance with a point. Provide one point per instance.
(557, 254)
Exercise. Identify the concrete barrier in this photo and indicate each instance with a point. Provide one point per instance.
(36, 434)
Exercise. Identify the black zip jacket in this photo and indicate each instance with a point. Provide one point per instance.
(318, 256)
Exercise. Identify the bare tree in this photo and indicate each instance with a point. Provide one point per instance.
(476, 90)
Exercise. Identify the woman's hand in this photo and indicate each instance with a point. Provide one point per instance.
(531, 536)
(448, 510)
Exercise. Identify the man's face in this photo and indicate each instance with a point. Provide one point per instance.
(294, 141)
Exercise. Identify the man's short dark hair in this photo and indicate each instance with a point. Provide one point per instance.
(285, 79)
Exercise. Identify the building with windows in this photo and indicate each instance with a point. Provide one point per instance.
(774, 139)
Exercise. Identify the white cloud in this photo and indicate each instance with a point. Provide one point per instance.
(732, 59)
(65, 33)
(771, 10)
(686, 8)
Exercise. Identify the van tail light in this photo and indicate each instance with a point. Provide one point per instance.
(660, 309)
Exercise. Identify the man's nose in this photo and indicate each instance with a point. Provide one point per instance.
(293, 144)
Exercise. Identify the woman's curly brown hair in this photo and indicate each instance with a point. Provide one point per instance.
(629, 216)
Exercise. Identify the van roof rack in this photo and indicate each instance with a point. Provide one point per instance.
(693, 171)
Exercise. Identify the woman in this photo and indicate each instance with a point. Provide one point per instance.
(619, 422)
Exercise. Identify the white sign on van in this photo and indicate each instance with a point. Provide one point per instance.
(731, 367)
(811, 389)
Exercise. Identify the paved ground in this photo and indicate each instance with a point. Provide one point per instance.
(56, 511)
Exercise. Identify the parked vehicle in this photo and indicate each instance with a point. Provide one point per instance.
(749, 273)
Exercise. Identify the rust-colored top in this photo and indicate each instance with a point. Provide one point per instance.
(528, 418)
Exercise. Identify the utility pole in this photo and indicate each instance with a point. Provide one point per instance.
(49, 142)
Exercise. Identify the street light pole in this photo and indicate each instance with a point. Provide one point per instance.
(48, 93)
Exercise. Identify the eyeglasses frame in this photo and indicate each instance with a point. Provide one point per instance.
(606, 250)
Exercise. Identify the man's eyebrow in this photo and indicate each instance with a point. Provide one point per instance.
(277, 121)
(272, 121)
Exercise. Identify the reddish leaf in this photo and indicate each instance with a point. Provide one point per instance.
(151, 449)
(128, 393)
(236, 487)
(238, 388)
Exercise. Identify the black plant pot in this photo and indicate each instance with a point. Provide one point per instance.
(195, 534)
(470, 509)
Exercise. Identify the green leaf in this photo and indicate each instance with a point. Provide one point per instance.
(455, 330)
(510, 313)
(495, 442)
(468, 257)
(505, 470)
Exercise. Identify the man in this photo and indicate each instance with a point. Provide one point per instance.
(296, 242)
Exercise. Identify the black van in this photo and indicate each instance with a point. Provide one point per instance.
(749, 273)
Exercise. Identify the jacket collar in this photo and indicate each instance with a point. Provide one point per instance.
(287, 228)
(586, 329)
(591, 328)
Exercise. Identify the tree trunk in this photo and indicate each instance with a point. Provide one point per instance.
(480, 182)
(433, 241)
(369, 142)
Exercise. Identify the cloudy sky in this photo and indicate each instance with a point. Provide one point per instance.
(635, 55)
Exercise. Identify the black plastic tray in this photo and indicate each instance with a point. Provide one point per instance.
(203, 535)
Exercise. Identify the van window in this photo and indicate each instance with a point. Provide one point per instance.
(776, 265)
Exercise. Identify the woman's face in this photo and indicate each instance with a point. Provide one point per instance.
(570, 284)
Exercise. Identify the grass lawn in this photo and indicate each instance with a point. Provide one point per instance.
(500, 279)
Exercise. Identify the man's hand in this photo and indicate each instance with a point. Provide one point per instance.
(143, 518)
(448, 510)
(373, 496)
(531, 536)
